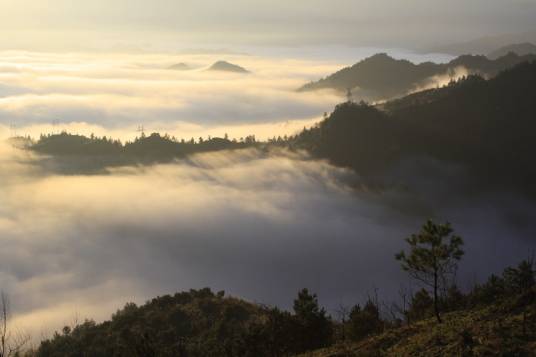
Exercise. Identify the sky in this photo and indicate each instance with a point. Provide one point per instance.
(171, 24)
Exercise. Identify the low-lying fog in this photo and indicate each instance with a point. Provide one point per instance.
(114, 94)
(257, 225)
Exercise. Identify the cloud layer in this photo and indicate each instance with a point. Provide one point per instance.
(113, 94)
(258, 225)
(120, 92)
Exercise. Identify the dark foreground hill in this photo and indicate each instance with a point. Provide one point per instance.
(500, 329)
(486, 126)
(496, 318)
(382, 77)
(197, 323)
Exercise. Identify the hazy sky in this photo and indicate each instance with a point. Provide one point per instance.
(143, 23)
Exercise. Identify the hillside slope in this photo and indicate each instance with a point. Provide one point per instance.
(382, 77)
(198, 323)
(505, 328)
(486, 126)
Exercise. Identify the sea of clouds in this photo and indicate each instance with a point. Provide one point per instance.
(259, 225)
(114, 94)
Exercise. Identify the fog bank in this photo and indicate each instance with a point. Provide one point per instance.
(258, 225)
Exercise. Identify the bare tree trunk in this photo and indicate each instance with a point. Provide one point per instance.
(436, 302)
(4, 325)
(11, 342)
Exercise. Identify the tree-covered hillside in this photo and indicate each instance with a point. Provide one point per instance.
(487, 126)
(496, 318)
(197, 323)
(382, 77)
(73, 153)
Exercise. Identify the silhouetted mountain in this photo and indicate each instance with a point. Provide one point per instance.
(180, 67)
(487, 126)
(520, 49)
(224, 66)
(383, 77)
(83, 154)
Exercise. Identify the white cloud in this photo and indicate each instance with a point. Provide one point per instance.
(258, 225)
(119, 92)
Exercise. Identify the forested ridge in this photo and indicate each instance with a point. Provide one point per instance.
(381, 77)
(486, 126)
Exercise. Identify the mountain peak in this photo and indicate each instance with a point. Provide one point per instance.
(179, 67)
(225, 66)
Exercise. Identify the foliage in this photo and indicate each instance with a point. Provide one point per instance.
(197, 323)
(421, 306)
(144, 149)
(365, 321)
(482, 126)
(495, 318)
(507, 327)
(314, 327)
(431, 260)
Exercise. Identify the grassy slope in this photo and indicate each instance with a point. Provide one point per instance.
(495, 330)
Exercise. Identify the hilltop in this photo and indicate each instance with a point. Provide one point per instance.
(224, 66)
(180, 67)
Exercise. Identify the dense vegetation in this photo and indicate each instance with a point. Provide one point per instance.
(381, 77)
(78, 153)
(198, 323)
(497, 317)
(486, 126)
(150, 147)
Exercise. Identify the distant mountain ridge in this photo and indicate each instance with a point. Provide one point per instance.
(382, 77)
(179, 67)
(483, 45)
(520, 49)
